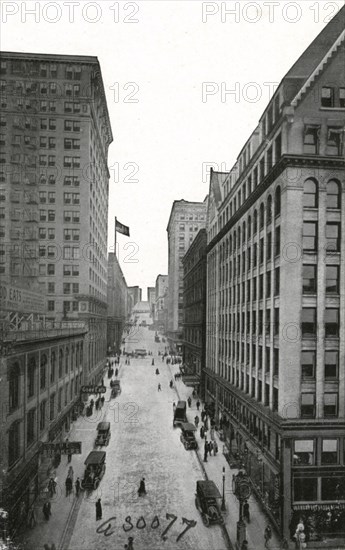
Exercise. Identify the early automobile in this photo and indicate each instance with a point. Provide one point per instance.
(115, 388)
(180, 415)
(103, 433)
(207, 500)
(94, 471)
(187, 436)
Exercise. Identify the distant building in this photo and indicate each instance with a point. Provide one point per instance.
(161, 302)
(194, 310)
(186, 219)
(136, 294)
(151, 298)
(275, 351)
(117, 304)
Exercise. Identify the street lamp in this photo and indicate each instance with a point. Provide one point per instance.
(242, 492)
(223, 498)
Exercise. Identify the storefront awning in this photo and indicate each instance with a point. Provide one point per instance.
(190, 379)
(319, 507)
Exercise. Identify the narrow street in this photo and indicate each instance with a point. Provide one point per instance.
(143, 443)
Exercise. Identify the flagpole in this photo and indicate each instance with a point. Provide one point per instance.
(115, 237)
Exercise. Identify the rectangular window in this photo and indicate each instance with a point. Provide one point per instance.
(330, 405)
(308, 405)
(308, 322)
(331, 364)
(342, 98)
(311, 139)
(277, 241)
(305, 489)
(333, 237)
(335, 141)
(332, 279)
(51, 305)
(327, 97)
(332, 323)
(308, 361)
(309, 279)
(277, 281)
(304, 453)
(329, 453)
(310, 236)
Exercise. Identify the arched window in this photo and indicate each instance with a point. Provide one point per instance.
(255, 222)
(310, 193)
(269, 210)
(43, 371)
(52, 366)
(277, 201)
(262, 215)
(14, 386)
(333, 194)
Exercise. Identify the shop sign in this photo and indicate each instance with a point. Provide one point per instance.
(65, 448)
(93, 389)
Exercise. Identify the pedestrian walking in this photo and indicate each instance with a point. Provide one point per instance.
(52, 486)
(267, 535)
(77, 487)
(69, 455)
(162, 358)
(212, 433)
(68, 484)
(129, 546)
(202, 432)
(142, 487)
(189, 401)
(102, 400)
(174, 406)
(198, 404)
(98, 509)
(31, 519)
(215, 447)
(210, 447)
(47, 510)
(194, 393)
(116, 372)
(246, 513)
(244, 545)
(70, 473)
(159, 387)
(205, 451)
(203, 414)
(196, 421)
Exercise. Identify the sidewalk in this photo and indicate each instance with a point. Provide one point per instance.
(63, 508)
(214, 470)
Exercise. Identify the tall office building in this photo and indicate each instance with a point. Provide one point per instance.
(186, 218)
(275, 351)
(117, 304)
(55, 134)
(161, 294)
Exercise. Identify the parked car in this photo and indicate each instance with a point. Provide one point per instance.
(207, 499)
(180, 414)
(187, 436)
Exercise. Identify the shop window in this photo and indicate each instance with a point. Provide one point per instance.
(305, 489)
(333, 194)
(304, 452)
(308, 361)
(329, 453)
(307, 405)
(331, 364)
(308, 322)
(330, 407)
(332, 488)
(14, 385)
(14, 443)
(332, 323)
(310, 194)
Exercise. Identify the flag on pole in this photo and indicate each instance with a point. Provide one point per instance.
(120, 228)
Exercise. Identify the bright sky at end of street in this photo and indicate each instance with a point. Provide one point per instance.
(157, 59)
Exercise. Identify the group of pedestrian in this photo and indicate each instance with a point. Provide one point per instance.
(127, 361)
(99, 402)
(209, 448)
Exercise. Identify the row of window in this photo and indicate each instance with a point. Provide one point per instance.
(331, 364)
(334, 140)
(332, 279)
(36, 68)
(307, 453)
(333, 97)
(25, 87)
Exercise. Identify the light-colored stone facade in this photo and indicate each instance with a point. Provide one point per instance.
(117, 304)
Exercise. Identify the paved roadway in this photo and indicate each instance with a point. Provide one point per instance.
(143, 444)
